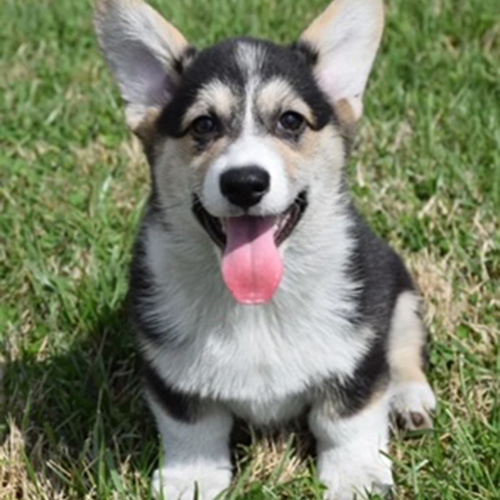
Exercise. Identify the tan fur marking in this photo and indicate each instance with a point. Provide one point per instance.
(346, 116)
(313, 147)
(292, 157)
(214, 96)
(144, 128)
(316, 143)
(204, 161)
(406, 340)
(279, 95)
(378, 393)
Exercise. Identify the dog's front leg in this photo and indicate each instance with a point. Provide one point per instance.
(196, 454)
(350, 462)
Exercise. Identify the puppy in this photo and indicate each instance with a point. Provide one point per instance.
(257, 289)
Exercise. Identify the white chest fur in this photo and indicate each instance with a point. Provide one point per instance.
(254, 358)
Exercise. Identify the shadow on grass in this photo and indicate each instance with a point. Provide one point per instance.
(76, 421)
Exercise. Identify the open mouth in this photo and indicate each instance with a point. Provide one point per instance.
(252, 265)
(285, 223)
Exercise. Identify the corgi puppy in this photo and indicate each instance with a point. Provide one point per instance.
(257, 289)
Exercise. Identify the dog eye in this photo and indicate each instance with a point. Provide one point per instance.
(204, 125)
(292, 122)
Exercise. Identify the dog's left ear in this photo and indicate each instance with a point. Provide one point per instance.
(346, 37)
(145, 54)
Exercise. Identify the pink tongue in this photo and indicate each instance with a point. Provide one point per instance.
(251, 265)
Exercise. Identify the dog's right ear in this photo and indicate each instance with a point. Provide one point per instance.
(145, 54)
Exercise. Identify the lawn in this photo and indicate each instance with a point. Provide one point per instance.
(425, 171)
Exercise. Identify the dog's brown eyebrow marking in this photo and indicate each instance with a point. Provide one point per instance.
(278, 95)
(215, 96)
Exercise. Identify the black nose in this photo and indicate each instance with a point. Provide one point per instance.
(245, 186)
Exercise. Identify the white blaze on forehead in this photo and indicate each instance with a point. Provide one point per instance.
(249, 57)
(215, 96)
(248, 151)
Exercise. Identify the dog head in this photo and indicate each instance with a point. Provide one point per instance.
(244, 137)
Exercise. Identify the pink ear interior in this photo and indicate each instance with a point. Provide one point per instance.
(346, 36)
(142, 78)
(141, 49)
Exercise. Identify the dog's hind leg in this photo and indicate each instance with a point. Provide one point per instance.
(413, 400)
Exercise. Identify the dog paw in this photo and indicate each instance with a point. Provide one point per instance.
(357, 483)
(183, 483)
(382, 490)
(413, 404)
(361, 490)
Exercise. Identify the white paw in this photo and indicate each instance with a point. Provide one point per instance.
(414, 404)
(182, 483)
(351, 482)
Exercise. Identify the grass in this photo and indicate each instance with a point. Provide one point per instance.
(426, 173)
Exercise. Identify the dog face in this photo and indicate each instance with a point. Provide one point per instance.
(247, 120)
(244, 137)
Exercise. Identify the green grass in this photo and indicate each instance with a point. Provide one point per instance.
(426, 173)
